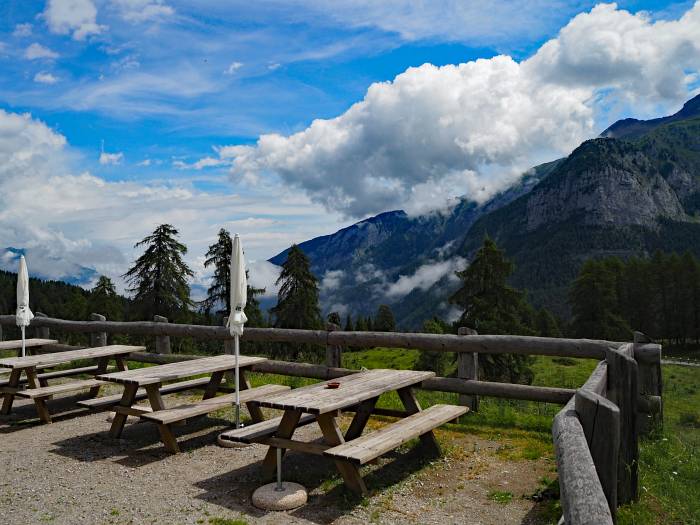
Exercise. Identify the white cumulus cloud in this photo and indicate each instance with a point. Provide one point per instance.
(424, 277)
(331, 280)
(233, 67)
(112, 159)
(434, 133)
(36, 51)
(45, 78)
(22, 30)
(75, 17)
(143, 10)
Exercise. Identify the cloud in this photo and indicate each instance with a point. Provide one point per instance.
(205, 162)
(145, 162)
(22, 30)
(76, 17)
(137, 11)
(471, 129)
(331, 280)
(45, 78)
(424, 277)
(112, 159)
(233, 67)
(36, 51)
(264, 274)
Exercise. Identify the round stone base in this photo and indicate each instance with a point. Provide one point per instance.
(267, 498)
(230, 444)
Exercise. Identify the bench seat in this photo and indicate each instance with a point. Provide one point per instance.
(370, 446)
(262, 430)
(54, 374)
(48, 391)
(109, 401)
(183, 412)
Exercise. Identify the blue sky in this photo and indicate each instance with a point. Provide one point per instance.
(158, 85)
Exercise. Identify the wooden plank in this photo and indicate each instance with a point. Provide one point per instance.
(126, 401)
(57, 358)
(264, 429)
(56, 374)
(364, 411)
(333, 437)
(298, 446)
(285, 430)
(46, 391)
(183, 412)
(16, 344)
(370, 446)
(317, 399)
(179, 370)
(410, 403)
(109, 401)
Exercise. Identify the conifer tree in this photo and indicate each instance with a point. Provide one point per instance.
(438, 362)
(546, 324)
(159, 277)
(361, 324)
(491, 306)
(384, 321)
(334, 318)
(348, 324)
(104, 299)
(297, 300)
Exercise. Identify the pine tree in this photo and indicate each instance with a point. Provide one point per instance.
(438, 362)
(104, 299)
(334, 318)
(348, 324)
(595, 305)
(384, 321)
(361, 324)
(297, 300)
(219, 293)
(546, 324)
(159, 277)
(491, 306)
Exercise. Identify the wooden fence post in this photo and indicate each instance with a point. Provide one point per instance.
(1, 332)
(600, 419)
(42, 332)
(648, 357)
(98, 338)
(623, 391)
(333, 353)
(162, 341)
(468, 368)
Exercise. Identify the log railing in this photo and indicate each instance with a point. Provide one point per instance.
(595, 434)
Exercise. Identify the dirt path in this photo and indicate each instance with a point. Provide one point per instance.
(72, 472)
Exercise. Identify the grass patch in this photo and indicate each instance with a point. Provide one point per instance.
(500, 496)
(227, 521)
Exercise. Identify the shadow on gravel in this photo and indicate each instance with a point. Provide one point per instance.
(140, 443)
(24, 413)
(329, 499)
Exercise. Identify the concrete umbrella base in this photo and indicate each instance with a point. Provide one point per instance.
(292, 496)
(230, 444)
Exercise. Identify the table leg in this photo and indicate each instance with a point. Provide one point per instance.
(39, 402)
(12, 386)
(410, 403)
(333, 437)
(166, 434)
(288, 425)
(121, 363)
(213, 385)
(364, 411)
(102, 364)
(128, 398)
(253, 409)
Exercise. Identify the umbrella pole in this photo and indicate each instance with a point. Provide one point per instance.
(238, 398)
(23, 348)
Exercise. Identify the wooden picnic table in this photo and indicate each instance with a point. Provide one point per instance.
(31, 345)
(152, 379)
(38, 388)
(356, 392)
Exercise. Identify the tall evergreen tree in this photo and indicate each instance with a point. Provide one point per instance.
(361, 324)
(546, 324)
(104, 299)
(297, 300)
(334, 318)
(384, 321)
(438, 362)
(492, 306)
(159, 277)
(219, 293)
(348, 324)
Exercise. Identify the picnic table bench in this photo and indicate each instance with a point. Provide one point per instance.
(38, 388)
(356, 393)
(31, 345)
(149, 383)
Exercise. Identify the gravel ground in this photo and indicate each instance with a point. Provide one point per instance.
(72, 472)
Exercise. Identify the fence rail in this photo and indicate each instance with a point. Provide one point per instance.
(595, 435)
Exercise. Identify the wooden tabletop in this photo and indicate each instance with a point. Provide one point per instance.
(16, 344)
(353, 389)
(56, 358)
(159, 374)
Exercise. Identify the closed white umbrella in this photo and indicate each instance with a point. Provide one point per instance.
(237, 317)
(24, 314)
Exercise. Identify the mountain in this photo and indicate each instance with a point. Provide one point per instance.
(45, 267)
(375, 260)
(624, 197)
(631, 192)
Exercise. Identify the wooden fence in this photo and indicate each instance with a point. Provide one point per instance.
(595, 435)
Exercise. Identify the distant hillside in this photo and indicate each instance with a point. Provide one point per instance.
(631, 128)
